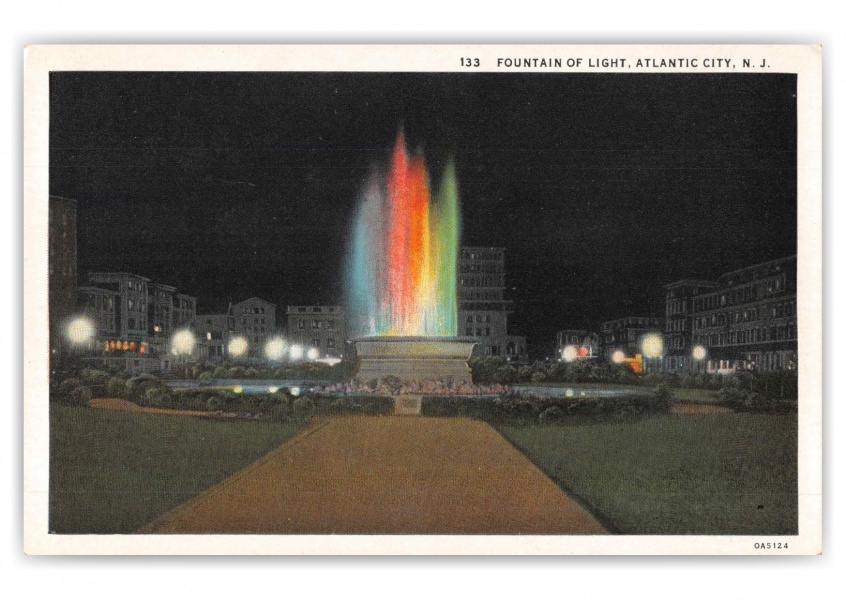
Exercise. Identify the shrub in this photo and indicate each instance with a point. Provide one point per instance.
(158, 397)
(67, 386)
(220, 372)
(506, 374)
(538, 375)
(383, 406)
(662, 393)
(79, 396)
(94, 377)
(136, 387)
(550, 415)
(731, 396)
(213, 403)
(345, 406)
(116, 387)
(205, 376)
(303, 407)
(484, 369)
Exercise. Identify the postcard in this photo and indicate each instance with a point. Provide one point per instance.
(483, 299)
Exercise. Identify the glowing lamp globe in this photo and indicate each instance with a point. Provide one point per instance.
(237, 346)
(183, 342)
(569, 354)
(80, 330)
(699, 353)
(274, 349)
(618, 357)
(652, 345)
(297, 352)
(313, 354)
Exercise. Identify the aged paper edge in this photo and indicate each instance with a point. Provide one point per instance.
(805, 61)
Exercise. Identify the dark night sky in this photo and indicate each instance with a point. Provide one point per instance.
(602, 188)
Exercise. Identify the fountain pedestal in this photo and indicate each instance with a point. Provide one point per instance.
(414, 359)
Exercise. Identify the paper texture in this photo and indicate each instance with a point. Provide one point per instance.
(619, 66)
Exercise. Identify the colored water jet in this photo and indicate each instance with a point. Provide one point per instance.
(403, 254)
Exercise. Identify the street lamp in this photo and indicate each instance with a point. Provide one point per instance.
(569, 354)
(274, 349)
(80, 331)
(313, 354)
(652, 346)
(619, 357)
(296, 352)
(183, 342)
(699, 354)
(237, 346)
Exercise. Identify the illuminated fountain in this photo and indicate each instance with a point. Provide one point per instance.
(401, 282)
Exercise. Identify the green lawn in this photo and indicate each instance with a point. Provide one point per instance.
(714, 474)
(112, 472)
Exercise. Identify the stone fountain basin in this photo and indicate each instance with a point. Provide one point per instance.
(414, 358)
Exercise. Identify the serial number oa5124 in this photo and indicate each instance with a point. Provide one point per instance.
(770, 545)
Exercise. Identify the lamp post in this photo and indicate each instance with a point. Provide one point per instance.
(79, 332)
(652, 346)
(182, 345)
(698, 354)
(237, 347)
(274, 349)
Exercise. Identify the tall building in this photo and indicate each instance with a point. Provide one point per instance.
(184, 310)
(482, 307)
(678, 328)
(319, 327)
(160, 325)
(62, 283)
(101, 306)
(748, 319)
(131, 310)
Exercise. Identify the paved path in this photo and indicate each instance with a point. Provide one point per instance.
(386, 475)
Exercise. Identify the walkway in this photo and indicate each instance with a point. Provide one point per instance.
(386, 475)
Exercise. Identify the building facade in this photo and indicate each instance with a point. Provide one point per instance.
(255, 320)
(135, 319)
(214, 331)
(678, 328)
(62, 283)
(748, 319)
(101, 306)
(626, 335)
(184, 310)
(577, 344)
(319, 327)
(131, 311)
(482, 307)
(160, 322)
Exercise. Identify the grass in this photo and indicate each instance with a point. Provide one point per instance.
(733, 474)
(112, 472)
